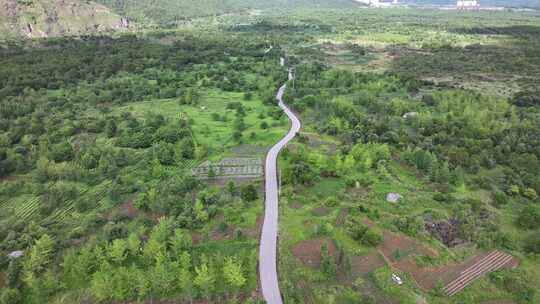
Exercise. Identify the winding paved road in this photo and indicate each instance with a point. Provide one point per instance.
(268, 245)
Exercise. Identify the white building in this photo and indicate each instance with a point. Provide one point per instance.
(468, 4)
(379, 3)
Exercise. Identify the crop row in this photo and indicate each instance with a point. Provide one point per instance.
(26, 209)
(60, 214)
(4, 202)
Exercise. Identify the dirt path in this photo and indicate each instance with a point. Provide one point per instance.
(268, 245)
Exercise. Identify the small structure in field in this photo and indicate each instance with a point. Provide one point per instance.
(379, 3)
(397, 279)
(393, 197)
(468, 5)
(410, 115)
(230, 168)
(15, 254)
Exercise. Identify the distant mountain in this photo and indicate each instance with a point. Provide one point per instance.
(167, 12)
(50, 18)
(505, 3)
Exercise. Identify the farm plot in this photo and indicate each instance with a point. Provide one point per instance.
(24, 207)
(491, 262)
(98, 193)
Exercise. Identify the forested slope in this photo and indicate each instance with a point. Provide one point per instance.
(166, 12)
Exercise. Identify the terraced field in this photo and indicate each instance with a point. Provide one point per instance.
(493, 261)
(99, 193)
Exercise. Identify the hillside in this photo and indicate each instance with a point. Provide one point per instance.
(505, 3)
(50, 18)
(167, 12)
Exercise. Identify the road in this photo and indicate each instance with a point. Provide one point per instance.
(268, 244)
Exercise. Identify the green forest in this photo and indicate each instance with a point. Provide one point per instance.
(80, 154)
(417, 159)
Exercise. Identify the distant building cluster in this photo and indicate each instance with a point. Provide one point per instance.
(379, 3)
(230, 167)
(468, 5)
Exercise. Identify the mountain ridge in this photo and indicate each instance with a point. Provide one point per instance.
(53, 18)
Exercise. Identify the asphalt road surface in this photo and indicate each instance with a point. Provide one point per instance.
(268, 244)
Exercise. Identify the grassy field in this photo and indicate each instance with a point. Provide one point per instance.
(485, 51)
(217, 135)
(309, 213)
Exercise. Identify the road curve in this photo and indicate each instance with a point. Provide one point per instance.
(268, 244)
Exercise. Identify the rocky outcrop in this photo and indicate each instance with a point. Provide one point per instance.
(52, 18)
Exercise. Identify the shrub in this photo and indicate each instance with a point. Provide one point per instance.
(529, 217)
(410, 225)
(530, 194)
(442, 197)
(372, 238)
(515, 282)
(328, 264)
(526, 99)
(249, 193)
(10, 296)
(357, 230)
(500, 198)
(323, 229)
(61, 152)
(331, 202)
(532, 242)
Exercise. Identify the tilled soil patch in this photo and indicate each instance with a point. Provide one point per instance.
(128, 210)
(309, 251)
(218, 235)
(342, 217)
(321, 211)
(428, 277)
(196, 238)
(393, 242)
(296, 205)
(505, 301)
(447, 231)
(2, 280)
(362, 265)
(255, 232)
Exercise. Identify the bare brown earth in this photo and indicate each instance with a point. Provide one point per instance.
(196, 238)
(254, 232)
(228, 234)
(321, 211)
(315, 141)
(309, 251)
(296, 205)
(242, 298)
(498, 302)
(358, 193)
(129, 210)
(217, 235)
(426, 277)
(2, 280)
(362, 265)
(8, 178)
(408, 246)
(342, 216)
(238, 181)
